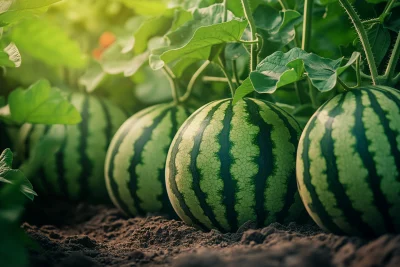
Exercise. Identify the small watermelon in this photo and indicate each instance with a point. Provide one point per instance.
(348, 163)
(229, 164)
(73, 168)
(135, 163)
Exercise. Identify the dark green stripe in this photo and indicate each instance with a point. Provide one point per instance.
(344, 203)
(291, 180)
(60, 167)
(125, 128)
(316, 206)
(230, 185)
(265, 161)
(86, 164)
(137, 159)
(108, 131)
(202, 196)
(172, 171)
(373, 178)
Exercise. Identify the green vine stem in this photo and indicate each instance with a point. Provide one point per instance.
(284, 4)
(346, 88)
(228, 79)
(235, 72)
(225, 4)
(358, 72)
(363, 38)
(387, 10)
(172, 80)
(394, 57)
(192, 81)
(217, 79)
(308, 8)
(253, 29)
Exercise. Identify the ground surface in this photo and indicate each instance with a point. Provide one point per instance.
(101, 236)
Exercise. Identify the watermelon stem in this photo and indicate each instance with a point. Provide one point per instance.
(192, 81)
(346, 88)
(362, 34)
(220, 64)
(172, 80)
(394, 58)
(253, 30)
(308, 8)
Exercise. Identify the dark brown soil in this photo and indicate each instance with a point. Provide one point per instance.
(101, 236)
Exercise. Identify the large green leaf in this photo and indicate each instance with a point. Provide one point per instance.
(42, 104)
(14, 10)
(10, 56)
(194, 40)
(47, 42)
(10, 176)
(280, 69)
(379, 39)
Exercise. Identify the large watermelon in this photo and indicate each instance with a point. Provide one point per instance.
(135, 164)
(229, 164)
(348, 163)
(73, 168)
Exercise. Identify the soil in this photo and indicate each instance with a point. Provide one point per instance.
(90, 235)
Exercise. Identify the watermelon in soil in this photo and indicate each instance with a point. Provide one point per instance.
(199, 133)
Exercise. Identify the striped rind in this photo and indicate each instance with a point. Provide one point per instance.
(348, 163)
(229, 164)
(135, 162)
(75, 154)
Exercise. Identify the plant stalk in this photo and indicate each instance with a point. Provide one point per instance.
(225, 3)
(228, 79)
(253, 29)
(362, 34)
(235, 72)
(386, 11)
(308, 9)
(394, 58)
(192, 81)
(172, 80)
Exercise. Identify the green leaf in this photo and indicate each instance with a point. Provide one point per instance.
(273, 71)
(148, 7)
(11, 176)
(10, 56)
(93, 77)
(47, 42)
(150, 28)
(237, 9)
(244, 89)
(277, 29)
(194, 40)
(379, 38)
(42, 104)
(281, 69)
(14, 10)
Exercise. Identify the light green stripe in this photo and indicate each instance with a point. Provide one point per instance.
(56, 133)
(391, 186)
(123, 159)
(385, 164)
(318, 164)
(149, 170)
(72, 159)
(183, 177)
(244, 167)
(96, 147)
(304, 193)
(281, 146)
(209, 165)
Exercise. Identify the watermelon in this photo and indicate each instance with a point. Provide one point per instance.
(72, 166)
(229, 164)
(348, 163)
(135, 163)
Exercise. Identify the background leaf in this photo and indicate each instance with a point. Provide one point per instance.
(42, 104)
(48, 43)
